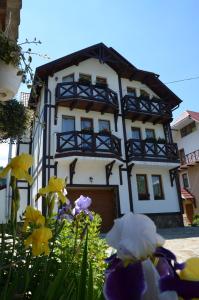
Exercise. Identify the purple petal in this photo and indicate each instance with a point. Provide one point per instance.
(164, 268)
(184, 288)
(83, 202)
(124, 283)
(170, 257)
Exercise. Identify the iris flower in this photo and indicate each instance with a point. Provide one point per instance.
(33, 216)
(39, 240)
(131, 275)
(81, 205)
(19, 166)
(55, 185)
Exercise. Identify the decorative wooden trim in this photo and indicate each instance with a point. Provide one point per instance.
(120, 174)
(88, 142)
(72, 169)
(174, 176)
(108, 169)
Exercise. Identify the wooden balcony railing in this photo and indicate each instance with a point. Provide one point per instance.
(145, 109)
(191, 158)
(146, 150)
(88, 142)
(87, 96)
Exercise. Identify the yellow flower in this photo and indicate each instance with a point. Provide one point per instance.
(55, 185)
(191, 270)
(19, 166)
(39, 241)
(33, 215)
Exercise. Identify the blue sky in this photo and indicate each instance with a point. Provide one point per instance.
(155, 35)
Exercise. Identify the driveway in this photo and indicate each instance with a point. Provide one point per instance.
(184, 242)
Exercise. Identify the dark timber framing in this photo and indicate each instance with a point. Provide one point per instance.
(108, 169)
(125, 140)
(72, 169)
(45, 120)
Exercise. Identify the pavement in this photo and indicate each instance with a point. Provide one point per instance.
(184, 242)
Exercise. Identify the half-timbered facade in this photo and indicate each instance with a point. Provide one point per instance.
(105, 126)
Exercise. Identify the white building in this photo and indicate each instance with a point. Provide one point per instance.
(186, 134)
(105, 126)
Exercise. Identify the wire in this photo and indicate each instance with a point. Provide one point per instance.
(180, 80)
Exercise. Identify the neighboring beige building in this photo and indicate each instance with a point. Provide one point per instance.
(186, 135)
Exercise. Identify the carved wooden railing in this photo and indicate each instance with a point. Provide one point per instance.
(145, 105)
(150, 150)
(190, 158)
(86, 141)
(76, 90)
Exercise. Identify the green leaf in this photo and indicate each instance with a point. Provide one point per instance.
(83, 275)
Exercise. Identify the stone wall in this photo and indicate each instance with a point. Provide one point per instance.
(167, 220)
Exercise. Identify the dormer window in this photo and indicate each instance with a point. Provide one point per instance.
(84, 78)
(101, 81)
(144, 94)
(131, 91)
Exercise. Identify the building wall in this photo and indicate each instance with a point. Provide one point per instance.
(168, 204)
(189, 142)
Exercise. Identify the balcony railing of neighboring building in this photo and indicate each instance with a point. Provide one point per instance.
(190, 158)
(87, 96)
(145, 109)
(87, 142)
(154, 150)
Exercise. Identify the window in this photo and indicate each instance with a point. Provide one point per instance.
(131, 92)
(2, 180)
(101, 81)
(142, 187)
(87, 133)
(84, 78)
(188, 129)
(185, 180)
(68, 78)
(136, 133)
(67, 140)
(157, 187)
(150, 133)
(68, 123)
(144, 94)
(104, 126)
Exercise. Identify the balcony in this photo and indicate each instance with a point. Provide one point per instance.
(154, 151)
(189, 159)
(87, 96)
(88, 143)
(146, 110)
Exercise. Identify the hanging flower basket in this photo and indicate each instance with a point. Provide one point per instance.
(9, 81)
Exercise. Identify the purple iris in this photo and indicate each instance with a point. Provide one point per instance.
(81, 205)
(65, 212)
(124, 283)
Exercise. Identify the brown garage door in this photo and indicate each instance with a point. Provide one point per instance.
(103, 203)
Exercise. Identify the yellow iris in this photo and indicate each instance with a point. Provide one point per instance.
(39, 241)
(33, 216)
(55, 185)
(19, 166)
(191, 270)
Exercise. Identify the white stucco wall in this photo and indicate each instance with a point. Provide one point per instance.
(189, 142)
(170, 202)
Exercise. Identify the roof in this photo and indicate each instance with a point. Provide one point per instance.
(186, 194)
(185, 118)
(117, 62)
